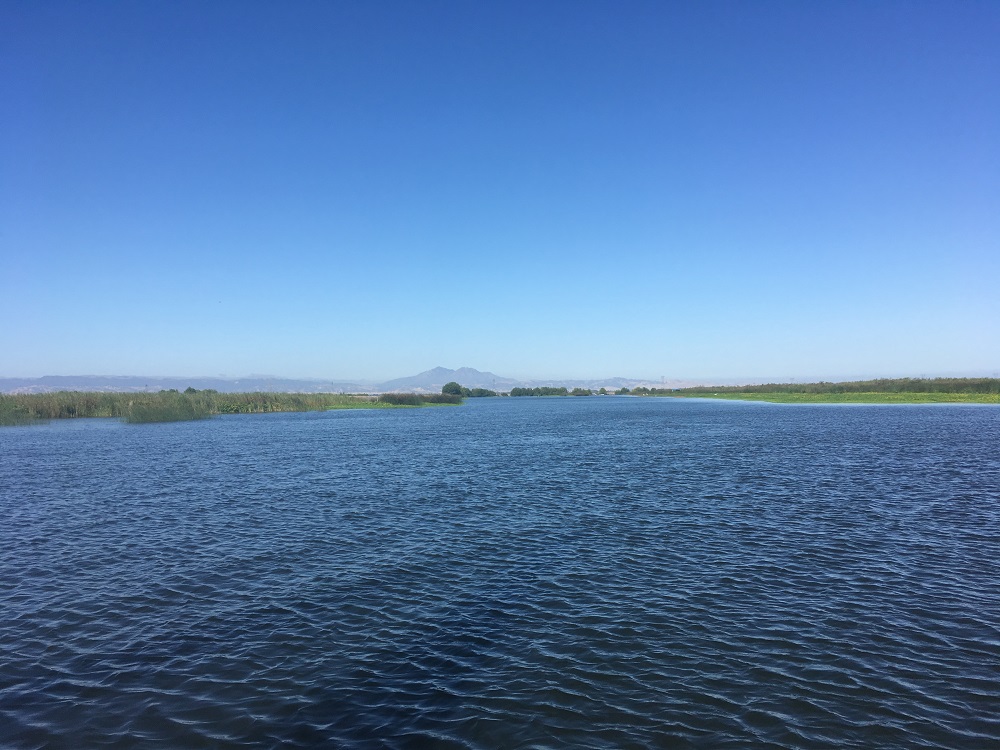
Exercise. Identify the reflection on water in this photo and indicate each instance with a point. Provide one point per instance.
(512, 573)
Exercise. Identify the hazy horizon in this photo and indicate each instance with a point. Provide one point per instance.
(549, 191)
(701, 379)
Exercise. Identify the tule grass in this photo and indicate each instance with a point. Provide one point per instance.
(175, 406)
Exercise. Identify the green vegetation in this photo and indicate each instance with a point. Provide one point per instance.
(172, 406)
(547, 390)
(642, 390)
(417, 399)
(854, 398)
(542, 391)
(14, 413)
(884, 391)
(167, 406)
(456, 389)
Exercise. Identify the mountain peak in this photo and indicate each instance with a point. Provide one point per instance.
(433, 380)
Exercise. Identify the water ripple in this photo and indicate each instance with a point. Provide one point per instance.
(516, 573)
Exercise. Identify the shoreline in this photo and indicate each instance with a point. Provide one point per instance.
(851, 398)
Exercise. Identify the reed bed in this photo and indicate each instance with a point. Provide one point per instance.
(174, 406)
(885, 391)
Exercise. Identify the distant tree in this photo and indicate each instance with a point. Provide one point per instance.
(603, 391)
(479, 393)
(452, 389)
(545, 390)
(189, 390)
(622, 391)
(580, 392)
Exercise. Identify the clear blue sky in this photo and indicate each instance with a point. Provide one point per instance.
(371, 189)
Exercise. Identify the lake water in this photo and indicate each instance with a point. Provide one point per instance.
(543, 573)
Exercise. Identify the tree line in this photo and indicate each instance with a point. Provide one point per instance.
(456, 389)
(547, 390)
(882, 385)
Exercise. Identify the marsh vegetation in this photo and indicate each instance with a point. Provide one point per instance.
(540, 391)
(175, 406)
(882, 391)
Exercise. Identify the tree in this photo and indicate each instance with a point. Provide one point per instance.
(452, 389)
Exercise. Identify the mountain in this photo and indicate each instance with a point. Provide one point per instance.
(431, 381)
(133, 383)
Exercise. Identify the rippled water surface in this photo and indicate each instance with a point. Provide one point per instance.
(590, 572)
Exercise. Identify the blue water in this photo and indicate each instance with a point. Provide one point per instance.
(544, 573)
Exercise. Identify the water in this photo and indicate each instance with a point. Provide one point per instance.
(602, 572)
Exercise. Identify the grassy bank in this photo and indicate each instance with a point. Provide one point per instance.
(888, 391)
(852, 398)
(174, 406)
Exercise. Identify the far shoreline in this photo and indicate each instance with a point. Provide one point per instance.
(873, 397)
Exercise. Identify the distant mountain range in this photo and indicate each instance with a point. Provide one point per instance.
(429, 381)
(132, 383)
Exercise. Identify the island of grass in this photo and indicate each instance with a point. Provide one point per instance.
(884, 391)
(175, 406)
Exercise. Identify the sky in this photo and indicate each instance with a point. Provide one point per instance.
(714, 190)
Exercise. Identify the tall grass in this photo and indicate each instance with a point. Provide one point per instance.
(173, 406)
(900, 390)
(885, 385)
(14, 413)
(166, 407)
(418, 399)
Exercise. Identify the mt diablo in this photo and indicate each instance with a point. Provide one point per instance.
(429, 381)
